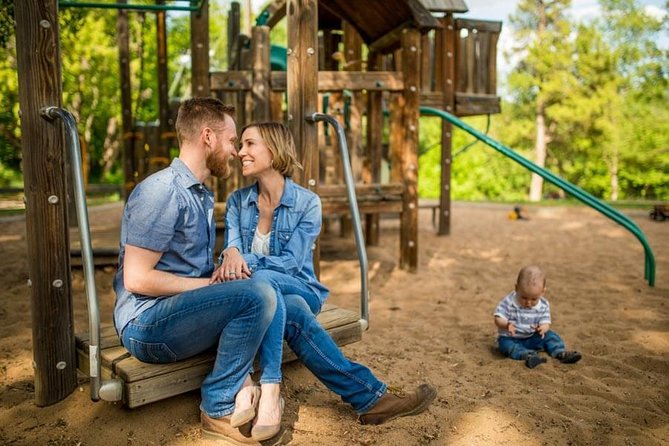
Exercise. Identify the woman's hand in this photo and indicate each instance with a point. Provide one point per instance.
(234, 267)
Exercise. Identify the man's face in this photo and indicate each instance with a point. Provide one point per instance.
(223, 149)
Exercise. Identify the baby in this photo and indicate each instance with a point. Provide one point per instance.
(523, 318)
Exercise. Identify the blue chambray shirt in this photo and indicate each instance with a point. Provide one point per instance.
(173, 213)
(295, 226)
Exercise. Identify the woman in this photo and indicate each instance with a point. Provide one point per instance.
(271, 227)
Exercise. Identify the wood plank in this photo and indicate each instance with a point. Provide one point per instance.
(370, 207)
(261, 74)
(339, 190)
(145, 383)
(409, 150)
(449, 37)
(327, 81)
(199, 50)
(467, 104)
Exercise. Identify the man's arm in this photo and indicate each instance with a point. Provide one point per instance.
(141, 277)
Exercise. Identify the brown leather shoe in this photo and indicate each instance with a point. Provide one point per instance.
(220, 429)
(395, 403)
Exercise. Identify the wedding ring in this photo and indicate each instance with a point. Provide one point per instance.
(231, 273)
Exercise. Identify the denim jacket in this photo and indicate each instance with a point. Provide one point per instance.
(296, 225)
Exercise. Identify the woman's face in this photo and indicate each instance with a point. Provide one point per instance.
(254, 154)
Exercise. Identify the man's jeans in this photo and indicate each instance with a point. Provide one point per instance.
(231, 316)
(516, 348)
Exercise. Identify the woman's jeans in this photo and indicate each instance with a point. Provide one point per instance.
(517, 348)
(231, 316)
(295, 320)
(271, 348)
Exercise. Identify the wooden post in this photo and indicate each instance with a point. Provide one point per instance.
(261, 73)
(353, 62)
(374, 149)
(409, 148)
(126, 101)
(302, 89)
(199, 51)
(448, 36)
(47, 235)
(160, 156)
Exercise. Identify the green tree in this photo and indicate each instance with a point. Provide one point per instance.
(542, 78)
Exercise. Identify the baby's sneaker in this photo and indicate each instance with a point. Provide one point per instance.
(534, 360)
(568, 357)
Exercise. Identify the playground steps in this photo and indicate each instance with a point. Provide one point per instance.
(145, 383)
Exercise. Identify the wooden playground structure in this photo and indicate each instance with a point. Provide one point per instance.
(417, 53)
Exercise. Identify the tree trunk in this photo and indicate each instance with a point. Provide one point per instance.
(111, 146)
(613, 172)
(537, 182)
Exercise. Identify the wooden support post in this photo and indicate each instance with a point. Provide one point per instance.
(160, 156)
(353, 62)
(47, 235)
(448, 36)
(374, 148)
(123, 40)
(302, 89)
(199, 51)
(409, 149)
(261, 73)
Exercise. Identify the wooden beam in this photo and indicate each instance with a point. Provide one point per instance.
(383, 191)
(261, 90)
(302, 91)
(409, 149)
(374, 148)
(160, 152)
(448, 36)
(327, 80)
(199, 51)
(45, 182)
(123, 39)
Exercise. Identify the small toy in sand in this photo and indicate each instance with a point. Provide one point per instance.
(517, 213)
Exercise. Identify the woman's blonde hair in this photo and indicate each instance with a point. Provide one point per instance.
(281, 145)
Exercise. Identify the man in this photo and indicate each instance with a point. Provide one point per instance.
(165, 308)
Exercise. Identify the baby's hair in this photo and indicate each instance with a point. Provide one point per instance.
(531, 277)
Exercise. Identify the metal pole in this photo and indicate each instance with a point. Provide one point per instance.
(355, 213)
(72, 140)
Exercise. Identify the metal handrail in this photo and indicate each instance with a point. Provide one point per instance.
(355, 213)
(110, 390)
(575, 191)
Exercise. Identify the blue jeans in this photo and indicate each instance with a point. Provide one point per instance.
(353, 382)
(231, 316)
(271, 348)
(516, 348)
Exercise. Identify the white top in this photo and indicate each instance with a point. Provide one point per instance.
(260, 245)
(525, 319)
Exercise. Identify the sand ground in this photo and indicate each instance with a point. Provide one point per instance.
(433, 326)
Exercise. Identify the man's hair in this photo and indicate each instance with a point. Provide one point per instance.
(531, 277)
(281, 145)
(196, 113)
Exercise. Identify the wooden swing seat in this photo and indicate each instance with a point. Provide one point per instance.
(145, 383)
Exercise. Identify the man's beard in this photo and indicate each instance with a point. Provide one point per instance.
(219, 166)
